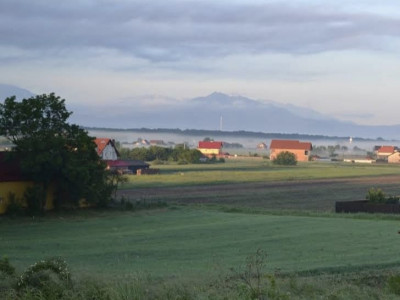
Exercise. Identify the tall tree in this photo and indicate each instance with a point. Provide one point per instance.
(52, 151)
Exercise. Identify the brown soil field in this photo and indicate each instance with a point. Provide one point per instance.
(314, 195)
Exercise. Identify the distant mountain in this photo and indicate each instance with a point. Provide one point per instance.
(234, 113)
(7, 90)
(237, 113)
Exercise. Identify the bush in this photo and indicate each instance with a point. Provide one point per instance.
(285, 158)
(376, 196)
(394, 284)
(158, 162)
(14, 206)
(35, 199)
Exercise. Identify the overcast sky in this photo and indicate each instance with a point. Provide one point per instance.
(334, 56)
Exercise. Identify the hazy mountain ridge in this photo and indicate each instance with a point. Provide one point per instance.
(7, 90)
(237, 113)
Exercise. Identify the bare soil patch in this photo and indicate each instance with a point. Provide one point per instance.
(318, 194)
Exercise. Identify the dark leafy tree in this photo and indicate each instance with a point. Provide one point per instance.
(52, 151)
(285, 158)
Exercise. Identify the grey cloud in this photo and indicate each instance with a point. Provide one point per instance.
(175, 30)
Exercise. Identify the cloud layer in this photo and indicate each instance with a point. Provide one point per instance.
(175, 30)
(332, 56)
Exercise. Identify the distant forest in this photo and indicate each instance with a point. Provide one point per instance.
(241, 133)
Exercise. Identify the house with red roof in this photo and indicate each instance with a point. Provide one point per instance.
(300, 149)
(210, 148)
(383, 152)
(108, 152)
(106, 148)
(394, 158)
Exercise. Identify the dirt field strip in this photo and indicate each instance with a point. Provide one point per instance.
(326, 190)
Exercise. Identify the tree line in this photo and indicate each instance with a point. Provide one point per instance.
(179, 153)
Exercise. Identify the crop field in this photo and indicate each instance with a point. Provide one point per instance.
(192, 242)
(218, 215)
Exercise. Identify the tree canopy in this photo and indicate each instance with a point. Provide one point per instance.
(52, 151)
(285, 158)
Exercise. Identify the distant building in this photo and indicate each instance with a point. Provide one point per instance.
(157, 143)
(300, 149)
(13, 182)
(394, 158)
(383, 152)
(127, 166)
(108, 152)
(106, 148)
(210, 148)
(141, 143)
(262, 146)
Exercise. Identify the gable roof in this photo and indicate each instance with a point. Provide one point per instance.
(210, 145)
(102, 143)
(10, 169)
(386, 149)
(290, 144)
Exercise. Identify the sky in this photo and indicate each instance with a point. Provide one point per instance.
(337, 57)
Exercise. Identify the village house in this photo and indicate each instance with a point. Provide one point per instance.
(262, 146)
(157, 143)
(13, 184)
(394, 158)
(383, 152)
(106, 149)
(210, 148)
(300, 149)
(108, 152)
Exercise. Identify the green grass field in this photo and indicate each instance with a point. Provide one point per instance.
(201, 235)
(193, 242)
(256, 170)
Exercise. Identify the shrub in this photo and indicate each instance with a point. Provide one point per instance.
(6, 268)
(35, 199)
(285, 158)
(251, 280)
(35, 275)
(14, 206)
(394, 284)
(376, 196)
(158, 162)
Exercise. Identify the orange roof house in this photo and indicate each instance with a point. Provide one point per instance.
(385, 151)
(394, 158)
(106, 148)
(210, 147)
(300, 149)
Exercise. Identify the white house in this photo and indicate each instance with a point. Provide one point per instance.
(106, 149)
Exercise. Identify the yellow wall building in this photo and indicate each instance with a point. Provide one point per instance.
(13, 185)
(210, 148)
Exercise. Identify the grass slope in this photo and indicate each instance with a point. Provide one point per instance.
(195, 243)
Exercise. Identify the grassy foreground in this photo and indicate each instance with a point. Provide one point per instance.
(192, 242)
(201, 251)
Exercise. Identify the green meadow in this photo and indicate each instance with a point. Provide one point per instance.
(255, 170)
(193, 242)
(193, 247)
